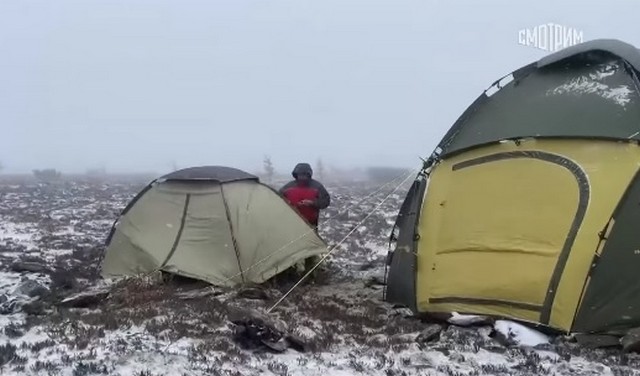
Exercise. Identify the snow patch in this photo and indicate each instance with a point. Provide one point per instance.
(620, 95)
(521, 334)
(465, 320)
(591, 84)
(603, 71)
(21, 233)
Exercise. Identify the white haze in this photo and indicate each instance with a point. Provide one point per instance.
(137, 85)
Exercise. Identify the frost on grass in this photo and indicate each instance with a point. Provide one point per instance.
(51, 241)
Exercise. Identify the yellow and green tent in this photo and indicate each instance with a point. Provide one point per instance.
(529, 207)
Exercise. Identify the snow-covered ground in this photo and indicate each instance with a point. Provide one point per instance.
(51, 241)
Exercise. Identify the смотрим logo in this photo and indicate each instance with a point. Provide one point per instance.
(550, 37)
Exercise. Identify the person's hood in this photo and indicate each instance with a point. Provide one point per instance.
(302, 168)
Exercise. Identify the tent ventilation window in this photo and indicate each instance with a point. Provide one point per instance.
(496, 86)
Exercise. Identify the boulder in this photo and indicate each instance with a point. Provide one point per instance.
(430, 334)
(32, 289)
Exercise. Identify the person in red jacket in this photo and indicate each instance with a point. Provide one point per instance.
(306, 194)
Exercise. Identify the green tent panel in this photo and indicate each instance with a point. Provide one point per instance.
(612, 291)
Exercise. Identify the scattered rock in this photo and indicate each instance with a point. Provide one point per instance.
(254, 293)
(36, 308)
(374, 281)
(157, 277)
(13, 331)
(631, 341)
(378, 340)
(297, 343)
(278, 346)
(201, 293)
(32, 289)
(403, 338)
(28, 266)
(420, 361)
(368, 265)
(8, 308)
(496, 349)
(403, 312)
(456, 357)
(503, 339)
(545, 347)
(429, 334)
(443, 350)
(61, 280)
(85, 299)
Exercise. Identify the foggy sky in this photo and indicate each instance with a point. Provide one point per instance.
(136, 85)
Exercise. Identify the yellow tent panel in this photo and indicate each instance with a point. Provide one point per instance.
(511, 230)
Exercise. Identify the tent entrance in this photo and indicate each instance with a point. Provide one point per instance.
(610, 302)
(499, 229)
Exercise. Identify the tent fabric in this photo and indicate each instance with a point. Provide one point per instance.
(494, 233)
(221, 174)
(150, 227)
(206, 229)
(260, 238)
(615, 47)
(402, 272)
(612, 299)
(568, 94)
(529, 209)
(224, 234)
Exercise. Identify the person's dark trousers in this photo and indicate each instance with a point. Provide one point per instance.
(310, 262)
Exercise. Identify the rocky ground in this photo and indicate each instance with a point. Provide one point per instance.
(51, 242)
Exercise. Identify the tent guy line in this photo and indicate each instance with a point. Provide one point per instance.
(340, 242)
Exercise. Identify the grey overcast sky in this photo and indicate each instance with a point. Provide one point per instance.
(137, 84)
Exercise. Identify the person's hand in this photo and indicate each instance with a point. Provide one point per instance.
(307, 203)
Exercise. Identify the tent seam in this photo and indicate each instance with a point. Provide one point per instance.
(232, 232)
(179, 234)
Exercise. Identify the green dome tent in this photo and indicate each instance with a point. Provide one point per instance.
(528, 209)
(212, 223)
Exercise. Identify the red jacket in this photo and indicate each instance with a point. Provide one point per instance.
(295, 193)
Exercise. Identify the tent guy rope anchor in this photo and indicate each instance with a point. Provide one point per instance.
(339, 243)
